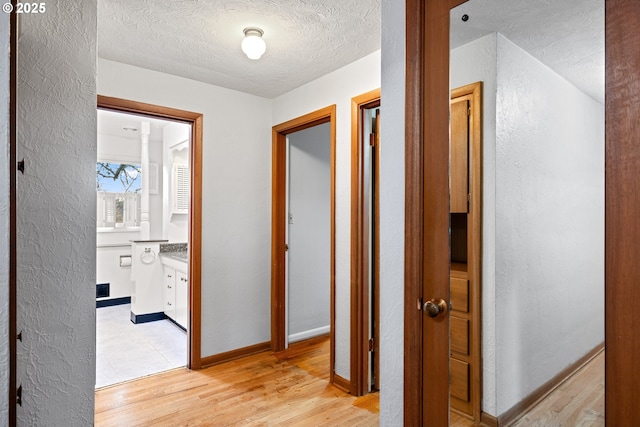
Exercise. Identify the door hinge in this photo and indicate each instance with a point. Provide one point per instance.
(21, 166)
(19, 336)
(19, 395)
(469, 112)
(286, 247)
(372, 139)
(371, 344)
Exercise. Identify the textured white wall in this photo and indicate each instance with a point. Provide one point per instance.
(549, 224)
(57, 214)
(473, 62)
(236, 199)
(337, 88)
(4, 214)
(309, 255)
(392, 214)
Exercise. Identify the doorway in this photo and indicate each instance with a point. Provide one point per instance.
(143, 194)
(193, 217)
(365, 242)
(282, 219)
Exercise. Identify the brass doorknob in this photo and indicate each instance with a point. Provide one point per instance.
(435, 307)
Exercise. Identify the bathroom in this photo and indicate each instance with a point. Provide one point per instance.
(142, 257)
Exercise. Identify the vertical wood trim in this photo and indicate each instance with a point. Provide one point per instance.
(13, 237)
(474, 244)
(278, 223)
(194, 335)
(622, 207)
(413, 409)
(359, 290)
(195, 248)
(278, 206)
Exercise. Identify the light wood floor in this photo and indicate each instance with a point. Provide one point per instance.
(259, 390)
(579, 401)
(293, 390)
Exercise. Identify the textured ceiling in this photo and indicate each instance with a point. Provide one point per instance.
(306, 39)
(566, 35)
(200, 39)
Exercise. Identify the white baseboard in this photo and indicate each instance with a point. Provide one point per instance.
(300, 336)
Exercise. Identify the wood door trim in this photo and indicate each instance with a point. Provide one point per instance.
(195, 212)
(278, 223)
(359, 291)
(474, 243)
(622, 207)
(426, 206)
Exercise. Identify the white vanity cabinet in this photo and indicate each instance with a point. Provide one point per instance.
(170, 292)
(182, 293)
(176, 291)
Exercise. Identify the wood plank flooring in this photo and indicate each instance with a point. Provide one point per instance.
(292, 389)
(289, 389)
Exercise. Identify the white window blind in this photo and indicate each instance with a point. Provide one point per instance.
(181, 188)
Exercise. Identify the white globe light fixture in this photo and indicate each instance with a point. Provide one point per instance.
(253, 45)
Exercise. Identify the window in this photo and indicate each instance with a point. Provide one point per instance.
(118, 188)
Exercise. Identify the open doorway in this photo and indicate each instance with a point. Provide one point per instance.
(303, 150)
(142, 258)
(161, 270)
(365, 242)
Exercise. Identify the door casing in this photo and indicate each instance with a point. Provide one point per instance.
(195, 211)
(279, 225)
(360, 306)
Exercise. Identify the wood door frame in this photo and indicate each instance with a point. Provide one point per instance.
(622, 229)
(194, 335)
(360, 306)
(279, 225)
(474, 243)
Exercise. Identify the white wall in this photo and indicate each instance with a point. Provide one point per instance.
(337, 88)
(549, 224)
(392, 214)
(175, 227)
(309, 255)
(474, 62)
(236, 199)
(4, 214)
(57, 214)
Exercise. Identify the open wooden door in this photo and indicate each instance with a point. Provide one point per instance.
(427, 214)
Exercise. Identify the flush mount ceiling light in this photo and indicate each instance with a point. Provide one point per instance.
(253, 45)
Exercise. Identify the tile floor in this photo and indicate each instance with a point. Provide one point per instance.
(125, 351)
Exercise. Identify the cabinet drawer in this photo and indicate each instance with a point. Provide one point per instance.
(459, 379)
(460, 294)
(459, 335)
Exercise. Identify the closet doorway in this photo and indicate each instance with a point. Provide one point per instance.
(301, 147)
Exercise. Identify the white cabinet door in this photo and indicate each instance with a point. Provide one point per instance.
(170, 292)
(182, 298)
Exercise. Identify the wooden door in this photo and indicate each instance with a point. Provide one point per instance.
(622, 213)
(426, 358)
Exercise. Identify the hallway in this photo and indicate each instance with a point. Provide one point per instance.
(290, 388)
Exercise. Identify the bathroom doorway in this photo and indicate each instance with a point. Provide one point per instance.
(148, 240)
